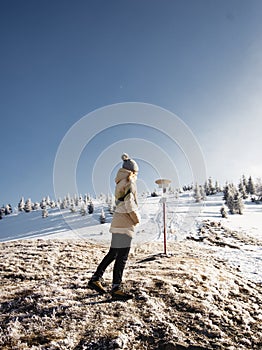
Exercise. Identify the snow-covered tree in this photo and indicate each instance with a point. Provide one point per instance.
(223, 212)
(63, 204)
(28, 205)
(102, 217)
(21, 204)
(209, 187)
(239, 205)
(8, 209)
(234, 200)
(73, 208)
(68, 200)
(77, 202)
(259, 189)
(36, 206)
(187, 188)
(52, 204)
(43, 203)
(44, 213)
(154, 194)
(242, 189)
(202, 192)
(217, 187)
(48, 201)
(244, 181)
(226, 191)
(83, 209)
(251, 186)
(230, 203)
(86, 199)
(90, 208)
(197, 193)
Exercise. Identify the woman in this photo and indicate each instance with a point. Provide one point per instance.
(125, 218)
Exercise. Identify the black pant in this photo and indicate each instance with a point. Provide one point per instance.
(120, 256)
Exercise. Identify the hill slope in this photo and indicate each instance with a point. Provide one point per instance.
(188, 300)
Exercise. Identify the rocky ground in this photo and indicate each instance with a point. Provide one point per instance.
(186, 300)
(215, 233)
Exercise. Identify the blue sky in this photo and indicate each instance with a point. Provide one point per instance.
(60, 60)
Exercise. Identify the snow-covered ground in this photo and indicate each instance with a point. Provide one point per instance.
(184, 218)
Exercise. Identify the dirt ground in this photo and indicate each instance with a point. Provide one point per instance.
(186, 300)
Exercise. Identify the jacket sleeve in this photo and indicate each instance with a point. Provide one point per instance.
(131, 205)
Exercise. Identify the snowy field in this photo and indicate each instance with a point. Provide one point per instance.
(183, 219)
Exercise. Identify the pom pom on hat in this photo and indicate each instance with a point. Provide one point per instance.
(125, 156)
(128, 163)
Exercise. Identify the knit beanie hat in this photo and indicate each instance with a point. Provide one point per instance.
(129, 163)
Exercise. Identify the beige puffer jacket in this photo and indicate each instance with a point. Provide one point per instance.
(126, 214)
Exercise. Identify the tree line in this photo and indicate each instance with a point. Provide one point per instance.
(77, 204)
(233, 195)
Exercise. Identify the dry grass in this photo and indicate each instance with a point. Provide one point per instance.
(188, 300)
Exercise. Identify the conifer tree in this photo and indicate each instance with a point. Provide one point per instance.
(211, 187)
(259, 189)
(230, 203)
(68, 200)
(90, 208)
(48, 201)
(234, 200)
(223, 212)
(86, 198)
(73, 208)
(36, 206)
(102, 217)
(217, 187)
(226, 191)
(21, 204)
(8, 209)
(197, 194)
(251, 187)
(52, 204)
(202, 192)
(44, 213)
(238, 204)
(242, 189)
(43, 204)
(28, 205)
(83, 209)
(63, 204)
(206, 188)
(244, 181)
